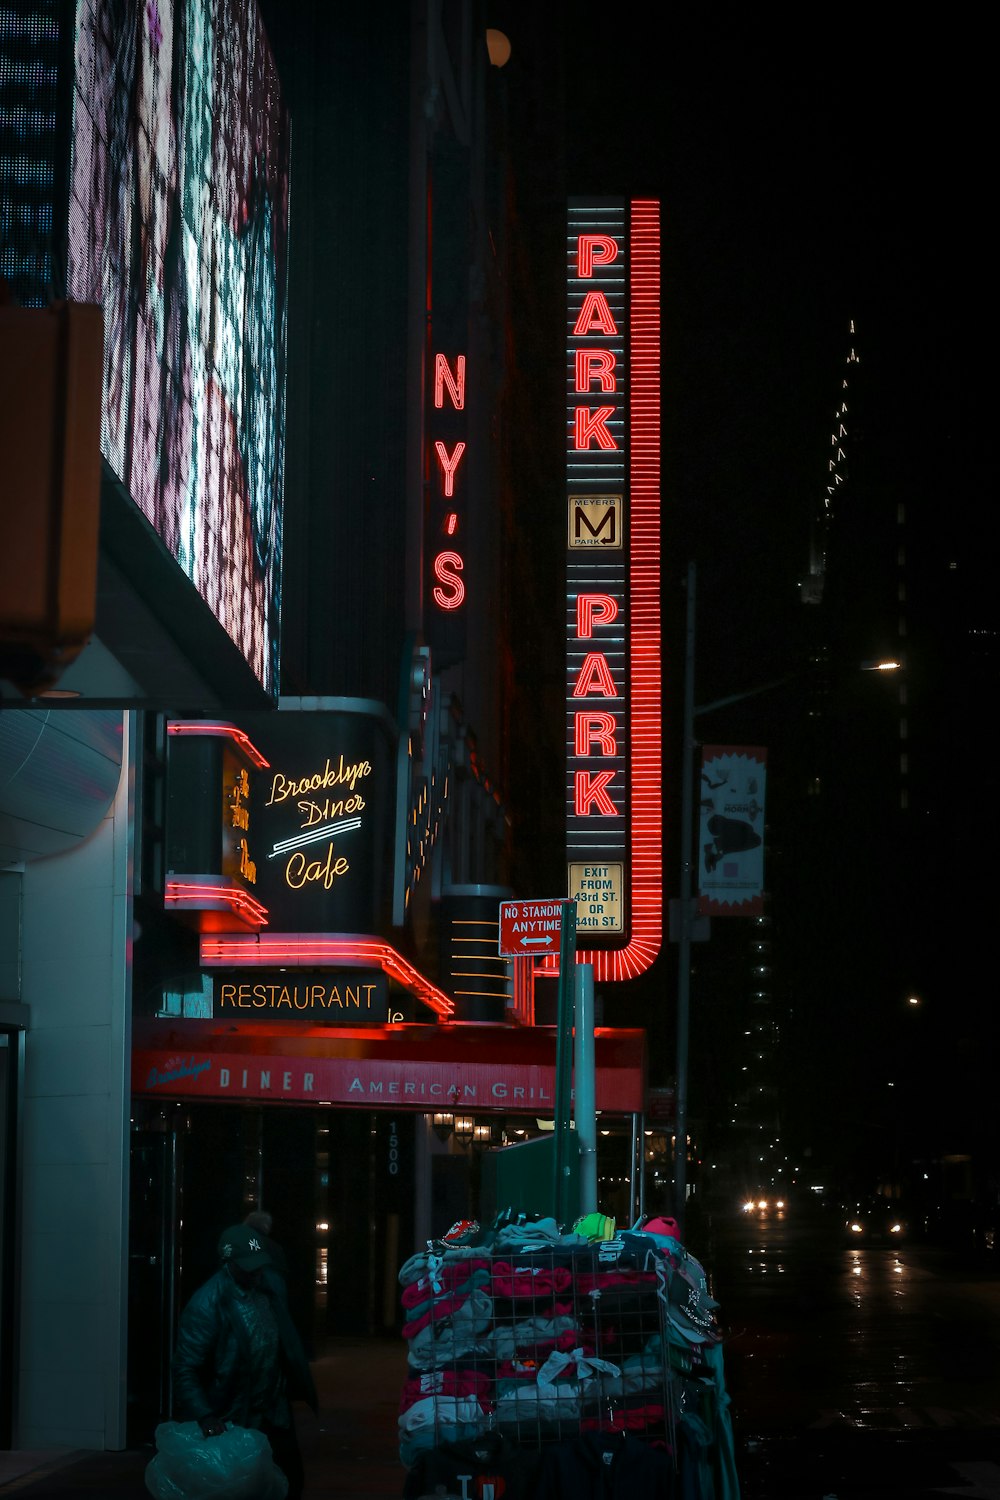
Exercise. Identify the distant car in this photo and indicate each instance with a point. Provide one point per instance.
(878, 1221)
(765, 1205)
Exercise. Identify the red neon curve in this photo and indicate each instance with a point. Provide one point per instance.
(225, 731)
(202, 896)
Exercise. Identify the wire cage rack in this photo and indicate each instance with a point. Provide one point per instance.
(542, 1346)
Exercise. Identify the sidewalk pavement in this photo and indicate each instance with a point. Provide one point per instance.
(350, 1451)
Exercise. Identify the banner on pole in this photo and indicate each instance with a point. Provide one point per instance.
(731, 830)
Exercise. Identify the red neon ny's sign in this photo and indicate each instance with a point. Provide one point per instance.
(448, 591)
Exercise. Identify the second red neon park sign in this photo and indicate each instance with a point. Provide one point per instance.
(613, 665)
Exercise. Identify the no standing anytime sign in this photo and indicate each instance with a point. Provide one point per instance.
(528, 927)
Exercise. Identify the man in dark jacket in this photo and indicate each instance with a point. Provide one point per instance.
(239, 1357)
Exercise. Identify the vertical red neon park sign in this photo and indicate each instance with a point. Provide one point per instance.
(613, 665)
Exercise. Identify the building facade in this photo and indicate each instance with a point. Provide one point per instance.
(255, 822)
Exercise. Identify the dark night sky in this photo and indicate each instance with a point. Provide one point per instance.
(808, 177)
(811, 170)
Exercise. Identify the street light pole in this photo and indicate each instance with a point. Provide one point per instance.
(685, 927)
(686, 910)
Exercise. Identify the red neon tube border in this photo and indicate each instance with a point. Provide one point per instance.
(304, 948)
(644, 593)
(197, 727)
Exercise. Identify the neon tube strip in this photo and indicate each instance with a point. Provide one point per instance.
(225, 731)
(313, 836)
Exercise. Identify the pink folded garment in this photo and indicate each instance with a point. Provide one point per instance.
(630, 1419)
(445, 1279)
(439, 1312)
(458, 1384)
(529, 1281)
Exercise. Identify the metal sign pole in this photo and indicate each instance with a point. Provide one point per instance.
(584, 1088)
(565, 1175)
(687, 912)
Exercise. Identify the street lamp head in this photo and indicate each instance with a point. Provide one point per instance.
(498, 46)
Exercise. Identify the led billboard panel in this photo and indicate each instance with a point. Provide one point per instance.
(29, 64)
(178, 227)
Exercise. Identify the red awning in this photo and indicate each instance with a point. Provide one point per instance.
(505, 1069)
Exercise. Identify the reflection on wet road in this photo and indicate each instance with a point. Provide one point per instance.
(855, 1371)
(873, 1338)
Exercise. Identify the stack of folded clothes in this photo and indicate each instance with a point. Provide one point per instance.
(537, 1357)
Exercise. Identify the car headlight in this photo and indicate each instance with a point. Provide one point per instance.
(856, 1228)
(895, 1229)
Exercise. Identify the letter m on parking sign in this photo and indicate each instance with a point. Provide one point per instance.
(595, 521)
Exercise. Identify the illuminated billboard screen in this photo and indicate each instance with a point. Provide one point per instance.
(29, 97)
(178, 226)
(613, 661)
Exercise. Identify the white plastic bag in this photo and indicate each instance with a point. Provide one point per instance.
(236, 1465)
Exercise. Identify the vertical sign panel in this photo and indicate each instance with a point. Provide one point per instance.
(732, 804)
(447, 469)
(613, 668)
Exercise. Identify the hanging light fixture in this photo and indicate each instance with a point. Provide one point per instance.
(443, 1122)
(464, 1127)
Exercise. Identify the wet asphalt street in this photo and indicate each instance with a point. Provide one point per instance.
(855, 1371)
